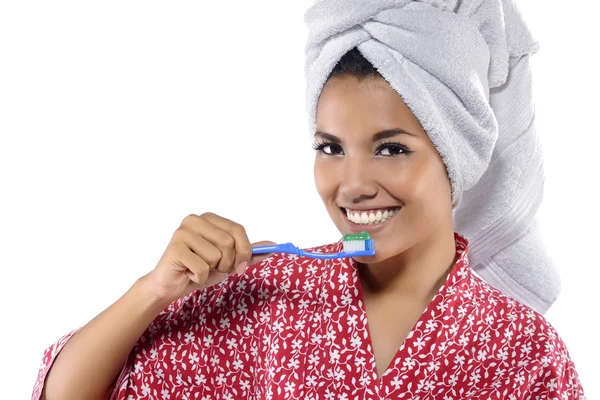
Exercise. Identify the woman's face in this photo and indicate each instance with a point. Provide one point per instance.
(373, 161)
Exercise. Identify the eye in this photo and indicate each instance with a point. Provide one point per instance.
(330, 149)
(389, 149)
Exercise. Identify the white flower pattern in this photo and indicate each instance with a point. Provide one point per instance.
(296, 328)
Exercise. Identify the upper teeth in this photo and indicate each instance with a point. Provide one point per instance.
(369, 217)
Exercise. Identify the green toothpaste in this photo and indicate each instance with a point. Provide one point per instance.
(364, 235)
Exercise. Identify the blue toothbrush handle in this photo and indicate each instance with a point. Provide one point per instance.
(276, 248)
(289, 248)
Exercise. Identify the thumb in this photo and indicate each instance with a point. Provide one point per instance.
(259, 257)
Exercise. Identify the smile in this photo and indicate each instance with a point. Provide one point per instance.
(370, 217)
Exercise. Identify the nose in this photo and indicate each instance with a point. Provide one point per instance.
(357, 182)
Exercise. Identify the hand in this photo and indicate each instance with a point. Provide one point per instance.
(203, 251)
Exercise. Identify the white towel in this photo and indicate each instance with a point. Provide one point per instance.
(462, 67)
(498, 214)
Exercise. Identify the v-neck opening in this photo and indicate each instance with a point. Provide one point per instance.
(380, 382)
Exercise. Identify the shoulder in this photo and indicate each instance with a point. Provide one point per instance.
(516, 321)
(528, 343)
(512, 312)
(261, 284)
(242, 306)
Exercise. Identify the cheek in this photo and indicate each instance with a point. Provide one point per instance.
(424, 179)
(323, 179)
(409, 180)
(440, 187)
(431, 193)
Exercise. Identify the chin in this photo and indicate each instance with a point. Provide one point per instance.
(368, 260)
(387, 246)
(380, 256)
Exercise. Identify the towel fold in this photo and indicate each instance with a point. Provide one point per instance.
(498, 214)
(462, 67)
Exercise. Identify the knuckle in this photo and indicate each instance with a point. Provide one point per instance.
(179, 235)
(226, 240)
(244, 252)
(212, 258)
(190, 218)
(239, 229)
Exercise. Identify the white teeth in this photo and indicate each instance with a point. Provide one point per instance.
(365, 218)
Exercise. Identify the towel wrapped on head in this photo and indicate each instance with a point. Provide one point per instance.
(462, 67)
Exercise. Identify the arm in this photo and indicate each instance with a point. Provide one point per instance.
(89, 363)
(203, 251)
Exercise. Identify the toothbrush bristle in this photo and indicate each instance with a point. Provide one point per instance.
(351, 246)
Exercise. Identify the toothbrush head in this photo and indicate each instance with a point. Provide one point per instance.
(358, 245)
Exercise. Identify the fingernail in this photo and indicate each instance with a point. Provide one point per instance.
(241, 267)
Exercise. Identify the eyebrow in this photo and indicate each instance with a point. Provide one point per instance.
(385, 134)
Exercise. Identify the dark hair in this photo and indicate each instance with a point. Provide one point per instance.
(353, 63)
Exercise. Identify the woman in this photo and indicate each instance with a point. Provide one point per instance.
(211, 321)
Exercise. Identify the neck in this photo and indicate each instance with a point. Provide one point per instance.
(416, 273)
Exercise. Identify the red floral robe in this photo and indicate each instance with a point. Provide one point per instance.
(296, 328)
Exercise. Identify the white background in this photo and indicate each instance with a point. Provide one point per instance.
(118, 119)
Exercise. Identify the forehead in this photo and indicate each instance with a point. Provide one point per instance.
(352, 107)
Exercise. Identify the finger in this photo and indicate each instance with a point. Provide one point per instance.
(205, 250)
(197, 270)
(242, 246)
(220, 238)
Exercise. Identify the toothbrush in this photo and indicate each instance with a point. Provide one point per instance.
(354, 246)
